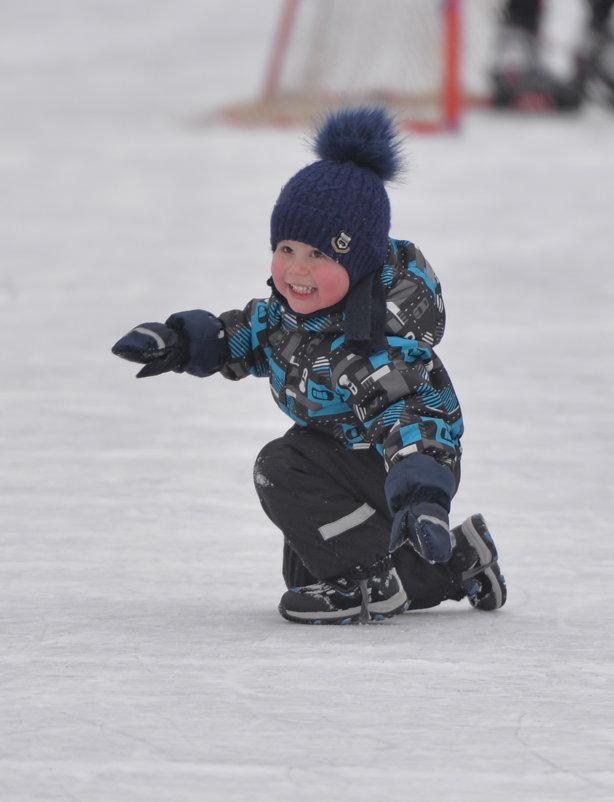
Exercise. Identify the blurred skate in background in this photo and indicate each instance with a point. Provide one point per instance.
(521, 78)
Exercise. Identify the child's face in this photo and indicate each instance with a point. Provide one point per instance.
(308, 279)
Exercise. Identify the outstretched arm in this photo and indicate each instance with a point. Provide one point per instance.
(191, 342)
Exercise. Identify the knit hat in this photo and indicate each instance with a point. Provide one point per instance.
(339, 204)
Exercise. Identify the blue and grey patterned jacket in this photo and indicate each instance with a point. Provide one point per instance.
(399, 400)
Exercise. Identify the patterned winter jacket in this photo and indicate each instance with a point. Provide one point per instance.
(399, 400)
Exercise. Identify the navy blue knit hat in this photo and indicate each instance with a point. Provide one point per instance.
(339, 204)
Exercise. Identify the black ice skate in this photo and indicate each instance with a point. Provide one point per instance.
(482, 579)
(520, 81)
(345, 601)
(534, 91)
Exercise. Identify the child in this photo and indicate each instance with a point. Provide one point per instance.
(360, 486)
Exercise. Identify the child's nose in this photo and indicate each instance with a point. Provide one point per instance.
(301, 266)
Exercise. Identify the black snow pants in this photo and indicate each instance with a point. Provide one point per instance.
(330, 505)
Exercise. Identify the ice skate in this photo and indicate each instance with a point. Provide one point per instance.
(519, 80)
(482, 579)
(345, 600)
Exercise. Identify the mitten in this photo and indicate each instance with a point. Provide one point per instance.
(158, 347)
(192, 341)
(419, 490)
(206, 338)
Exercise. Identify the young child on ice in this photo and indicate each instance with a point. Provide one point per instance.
(361, 485)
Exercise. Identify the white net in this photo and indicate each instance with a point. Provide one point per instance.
(394, 52)
(344, 46)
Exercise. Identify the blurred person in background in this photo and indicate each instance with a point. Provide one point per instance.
(521, 80)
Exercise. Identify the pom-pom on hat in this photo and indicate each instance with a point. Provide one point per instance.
(339, 204)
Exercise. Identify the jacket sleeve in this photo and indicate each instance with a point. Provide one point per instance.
(247, 336)
(404, 401)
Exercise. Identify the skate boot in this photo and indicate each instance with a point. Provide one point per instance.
(482, 579)
(345, 600)
(520, 81)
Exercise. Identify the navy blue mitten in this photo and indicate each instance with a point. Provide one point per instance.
(192, 341)
(154, 345)
(419, 490)
(206, 338)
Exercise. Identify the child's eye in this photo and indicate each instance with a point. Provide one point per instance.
(286, 249)
(316, 254)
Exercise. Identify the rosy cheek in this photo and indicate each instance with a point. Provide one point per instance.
(277, 273)
(334, 286)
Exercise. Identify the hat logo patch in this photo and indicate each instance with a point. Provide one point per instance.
(341, 242)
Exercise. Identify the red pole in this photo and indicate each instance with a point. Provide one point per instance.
(280, 45)
(452, 64)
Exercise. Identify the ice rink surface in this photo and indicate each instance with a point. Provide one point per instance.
(142, 657)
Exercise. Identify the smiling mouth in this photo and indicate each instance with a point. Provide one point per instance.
(301, 290)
